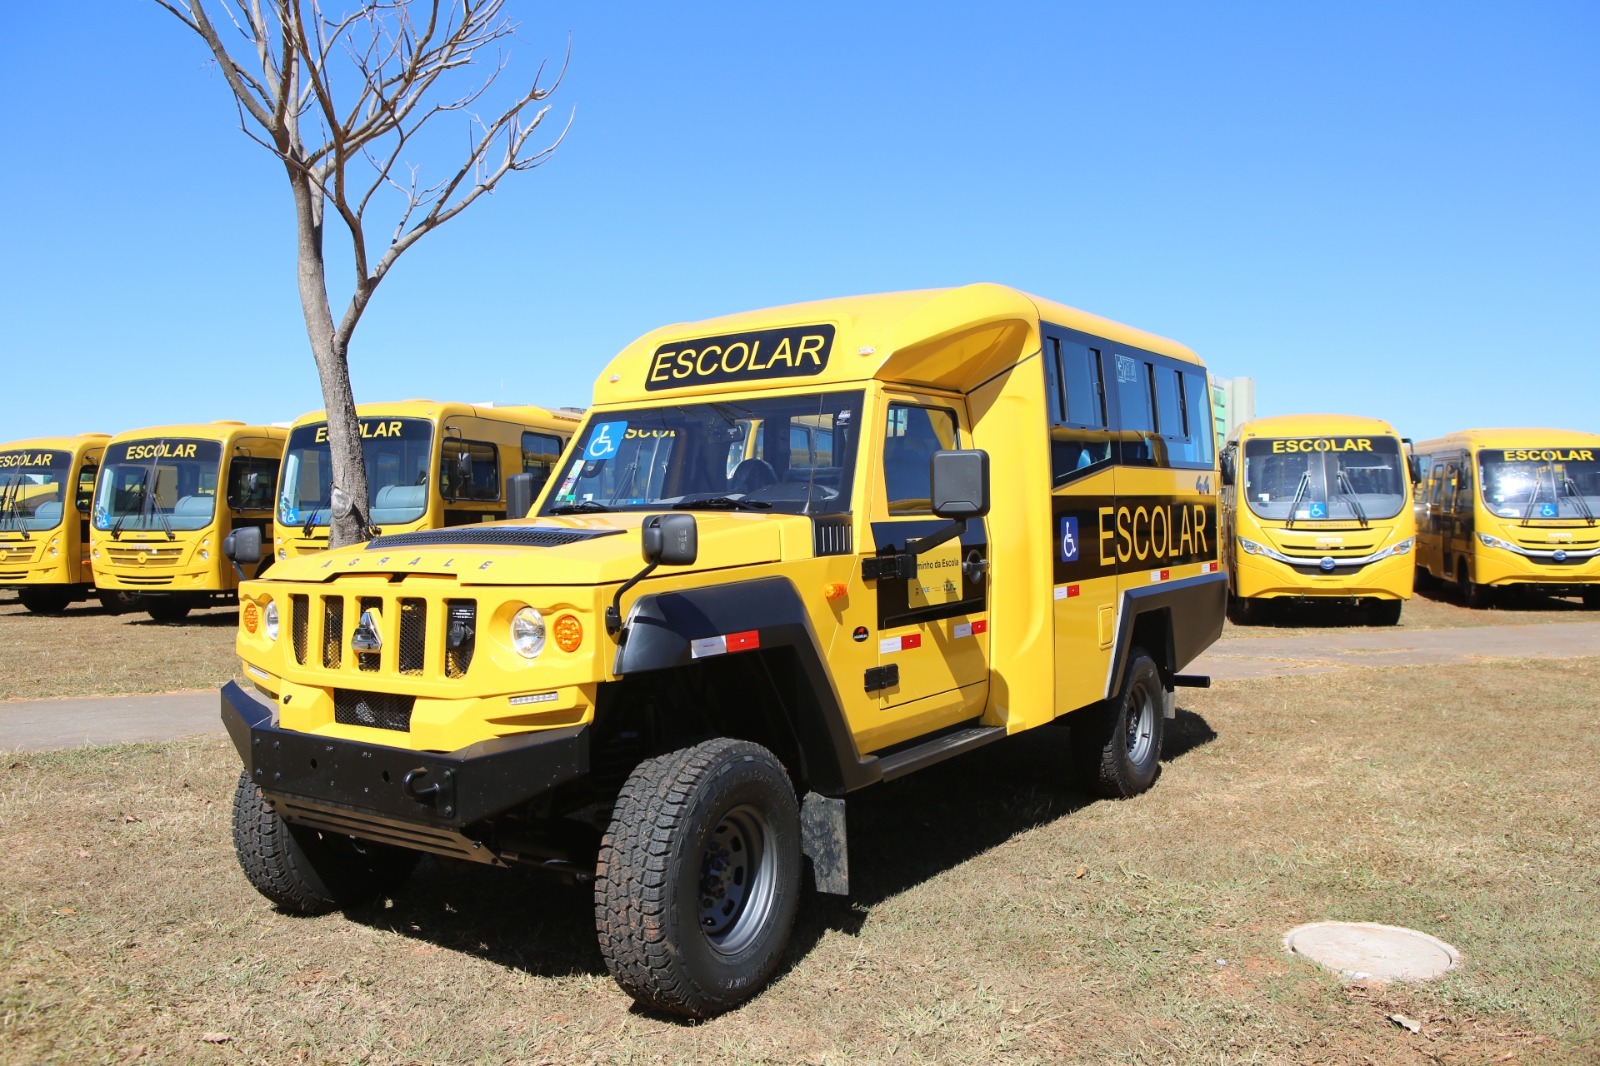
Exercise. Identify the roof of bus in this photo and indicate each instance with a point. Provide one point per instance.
(1509, 438)
(888, 335)
(528, 414)
(77, 443)
(218, 431)
(1311, 426)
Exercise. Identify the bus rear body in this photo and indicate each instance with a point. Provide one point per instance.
(45, 488)
(1318, 508)
(417, 477)
(165, 500)
(1503, 509)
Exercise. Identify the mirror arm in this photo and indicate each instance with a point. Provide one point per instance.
(937, 537)
(614, 612)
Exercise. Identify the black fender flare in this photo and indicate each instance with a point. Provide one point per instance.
(1196, 606)
(660, 634)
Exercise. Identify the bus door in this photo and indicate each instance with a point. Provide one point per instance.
(1450, 515)
(932, 629)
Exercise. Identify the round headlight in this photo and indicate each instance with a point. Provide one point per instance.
(283, 553)
(527, 632)
(272, 620)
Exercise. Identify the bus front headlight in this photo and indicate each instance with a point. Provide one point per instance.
(527, 632)
(1404, 547)
(271, 615)
(1251, 547)
(1494, 542)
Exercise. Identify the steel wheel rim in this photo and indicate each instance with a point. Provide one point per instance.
(738, 880)
(1141, 724)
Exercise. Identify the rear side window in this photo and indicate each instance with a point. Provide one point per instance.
(540, 451)
(478, 479)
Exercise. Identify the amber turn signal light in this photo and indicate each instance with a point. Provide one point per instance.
(835, 590)
(569, 633)
(252, 617)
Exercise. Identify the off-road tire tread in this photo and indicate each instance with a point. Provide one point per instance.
(635, 869)
(1099, 739)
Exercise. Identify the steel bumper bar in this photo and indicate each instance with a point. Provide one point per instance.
(444, 790)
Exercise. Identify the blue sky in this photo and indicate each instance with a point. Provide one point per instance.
(1384, 209)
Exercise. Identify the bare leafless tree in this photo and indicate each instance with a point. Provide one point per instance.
(398, 65)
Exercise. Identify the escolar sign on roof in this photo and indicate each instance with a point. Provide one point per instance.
(790, 352)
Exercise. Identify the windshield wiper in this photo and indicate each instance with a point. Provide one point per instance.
(1349, 494)
(722, 503)
(166, 523)
(10, 501)
(580, 507)
(1533, 497)
(116, 528)
(311, 519)
(1577, 497)
(1299, 494)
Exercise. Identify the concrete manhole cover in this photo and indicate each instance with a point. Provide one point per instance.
(1367, 949)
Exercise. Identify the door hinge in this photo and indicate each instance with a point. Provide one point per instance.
(897, 564)
(880, 677)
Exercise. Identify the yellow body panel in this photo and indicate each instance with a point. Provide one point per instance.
(146, 559)
(500, 427)
(1561, 552)
(1291, 555)
(55, 557)
(972, 355)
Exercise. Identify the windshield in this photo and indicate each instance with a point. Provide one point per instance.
(33, 489)
(159, 484)
(397, 454)
(794, 454)
(1529, 483)
(1324, 478)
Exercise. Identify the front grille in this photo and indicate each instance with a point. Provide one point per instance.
(381, 710)
(154, 555)
(299, 624)
(460, 636)
(333, 632)
(12, 575)
(1313, 551)
(368, 660)
(492, 536)
(413, 648)
(21, 553)
(140, 579)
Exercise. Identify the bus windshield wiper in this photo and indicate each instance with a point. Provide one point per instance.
(311, 519)
(11, 501)
(166, 523)
(727, 502)
(1299, 494)
(1533, 497)
(580, 507)
(1349, 494)
(116, 528)
(1577, 497)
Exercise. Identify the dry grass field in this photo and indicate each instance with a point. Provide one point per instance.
(998, 915)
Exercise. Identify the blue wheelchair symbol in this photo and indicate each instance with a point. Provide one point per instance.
(1318, 510)
(605, 439)
(1069, 540)
(1549, 510)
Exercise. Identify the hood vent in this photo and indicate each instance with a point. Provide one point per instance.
(490, 537)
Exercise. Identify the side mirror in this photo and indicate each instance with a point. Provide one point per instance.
(1226, 468)
(960, 484)
(520, 489)
(1414, 468)
(670, 540)
(243, 545)
(464, 466)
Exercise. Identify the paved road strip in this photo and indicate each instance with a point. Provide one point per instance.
(41, 725)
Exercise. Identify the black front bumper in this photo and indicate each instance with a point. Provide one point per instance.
(380, 792)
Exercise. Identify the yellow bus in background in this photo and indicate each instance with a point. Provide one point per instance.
(1511, 508)
(165, 499)
(429, 465)
(45, 487)
(1317, 507)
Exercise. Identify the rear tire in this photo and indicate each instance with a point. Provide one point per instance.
(699, 877)
(304, 871)
(1384, 612)
(45, 600)
(168, 610)
(1117, 743)
(115, 601)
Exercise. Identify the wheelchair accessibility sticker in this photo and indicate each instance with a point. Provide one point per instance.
(605, 439)
(1317, 510)
(1069, 540)
(1549, 510)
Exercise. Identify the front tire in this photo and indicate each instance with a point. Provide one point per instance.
(1591, 599)
(45, 600)
(1243, 611)
(1117, 743)
(168, 610)
(305, 871)
(1473, 594)
(115, 601)
(699, 877)
(1384, 612)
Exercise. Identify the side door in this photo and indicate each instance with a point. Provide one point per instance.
(83, 500)
(932, 629)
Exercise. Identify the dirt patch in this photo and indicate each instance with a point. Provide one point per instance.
(998, 915)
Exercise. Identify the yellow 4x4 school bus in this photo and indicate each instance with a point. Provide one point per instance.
(1501, 509)
(1317, 508)
(165, 500)
(45, 486)
(670, 675)
(429, 465)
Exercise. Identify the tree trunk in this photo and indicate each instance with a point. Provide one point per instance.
(348, 507)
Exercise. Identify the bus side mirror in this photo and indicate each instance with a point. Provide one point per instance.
(1226, 468)
(670, 540)
(243, 545)
(1414, 468)
(960, 484)
(519, 495)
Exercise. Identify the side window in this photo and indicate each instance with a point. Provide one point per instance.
(1136, 416)
(1197, 405)
(477, 479)
(252, 483)
(800, 447)
(1169, 405)
(912, 436)
(540, 451)
(86, 475)
(1079, 437)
